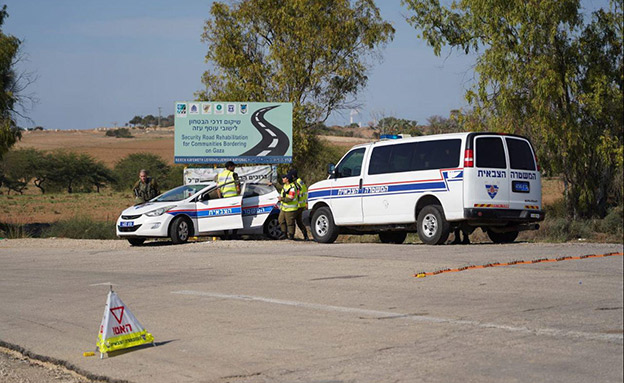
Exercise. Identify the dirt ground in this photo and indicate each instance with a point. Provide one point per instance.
(17, 368)
(103, 148)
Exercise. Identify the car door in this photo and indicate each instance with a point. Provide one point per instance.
(258, 202)
(220, 214)
(346, 188)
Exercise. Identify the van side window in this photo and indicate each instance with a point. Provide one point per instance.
(351, 164)
(490, 153)
(438, 154)
(520, 154)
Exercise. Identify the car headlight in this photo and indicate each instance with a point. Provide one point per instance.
(157, 212)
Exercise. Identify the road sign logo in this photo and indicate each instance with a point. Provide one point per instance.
(194, 108)
(243, 109)
(231, 108)
(181, 109)
(218, 108)
(206, 108)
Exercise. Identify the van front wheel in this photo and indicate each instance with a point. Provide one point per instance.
(506, 237)
(433, 228)
(323, 228)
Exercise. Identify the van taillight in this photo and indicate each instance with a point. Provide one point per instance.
(536, 163)
(468, 158)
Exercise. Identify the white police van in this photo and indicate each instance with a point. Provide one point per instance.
(430, 185)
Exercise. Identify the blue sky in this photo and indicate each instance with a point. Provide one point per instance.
(103, 62)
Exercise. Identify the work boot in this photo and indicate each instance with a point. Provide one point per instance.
(305, 235)
(291, 237)
(457, 240)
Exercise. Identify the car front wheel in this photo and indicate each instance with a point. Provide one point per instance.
(180, 230)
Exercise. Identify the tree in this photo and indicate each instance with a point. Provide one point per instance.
(13, 102)
(136, 120)
(18, 168)
(542, 72)
(127, 169)
(312, 53)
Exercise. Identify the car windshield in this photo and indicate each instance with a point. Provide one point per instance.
(179, 193)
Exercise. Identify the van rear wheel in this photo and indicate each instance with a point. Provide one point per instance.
(433, 228)
(506, 237)
(323, 228)
(397, 237)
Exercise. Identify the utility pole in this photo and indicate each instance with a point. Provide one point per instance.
(159, 109)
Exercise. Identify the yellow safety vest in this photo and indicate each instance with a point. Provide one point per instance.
(290, 191)
(303, 193)
(227, 184)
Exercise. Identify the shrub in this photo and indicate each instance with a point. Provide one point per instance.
(127, 170)
(81, 227)
(119, 133)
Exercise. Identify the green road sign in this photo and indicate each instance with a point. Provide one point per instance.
(243, 132)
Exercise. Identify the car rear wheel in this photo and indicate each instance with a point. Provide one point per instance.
(272, 228)
(433, 228)
(323, 228)
(397, 237)
(136, 241)
(506, 237)
(180, 230)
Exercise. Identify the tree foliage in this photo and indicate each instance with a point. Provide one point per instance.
(127, 170)
(313, 53)
(61, 170)
(546, 73)
(9, 87)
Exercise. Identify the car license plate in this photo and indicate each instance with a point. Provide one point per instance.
(126, 224)
(520, 186)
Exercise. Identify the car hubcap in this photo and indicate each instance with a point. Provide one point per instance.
(429, 225)
(321, 226)
(274, 229)
(183, 231)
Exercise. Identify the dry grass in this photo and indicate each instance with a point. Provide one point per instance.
(106, 149)
(48, 208)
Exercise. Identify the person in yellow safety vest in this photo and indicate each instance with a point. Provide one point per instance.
(227, 182)
(303, 202)
(288, 207)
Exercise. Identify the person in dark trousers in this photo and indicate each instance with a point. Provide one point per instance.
(289, 205)
(145, 188)
(303, 202)
(457, 240)
(228, 186)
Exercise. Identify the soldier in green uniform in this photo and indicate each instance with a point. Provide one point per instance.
(145, 188)
(289, 204)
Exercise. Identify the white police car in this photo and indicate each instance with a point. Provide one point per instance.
(195, 210)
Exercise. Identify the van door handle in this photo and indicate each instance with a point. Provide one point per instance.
(360, 184)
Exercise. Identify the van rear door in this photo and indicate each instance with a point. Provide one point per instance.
(524, 178)
(489, 185)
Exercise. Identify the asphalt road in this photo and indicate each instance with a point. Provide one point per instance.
(267, 311)
(274, 142)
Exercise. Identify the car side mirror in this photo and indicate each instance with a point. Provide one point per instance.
(331, 170)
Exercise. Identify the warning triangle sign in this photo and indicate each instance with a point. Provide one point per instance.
(119, 328)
